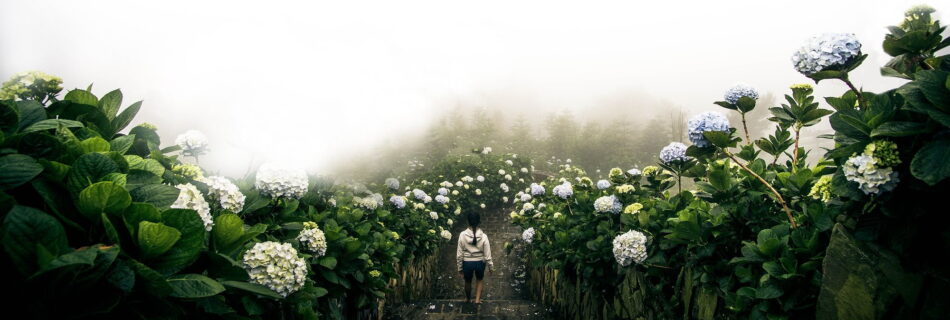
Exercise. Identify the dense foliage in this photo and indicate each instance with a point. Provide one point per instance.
(754, 232)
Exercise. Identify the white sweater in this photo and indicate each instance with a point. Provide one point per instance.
(481, 251)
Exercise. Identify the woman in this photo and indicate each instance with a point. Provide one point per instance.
(472, 255)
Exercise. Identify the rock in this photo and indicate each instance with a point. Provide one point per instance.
(863, 282)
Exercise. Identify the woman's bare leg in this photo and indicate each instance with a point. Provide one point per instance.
(478, 291)
(468, 291)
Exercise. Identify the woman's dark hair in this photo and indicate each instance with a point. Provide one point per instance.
(474, 219)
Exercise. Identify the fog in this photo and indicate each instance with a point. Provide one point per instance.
(319, 83)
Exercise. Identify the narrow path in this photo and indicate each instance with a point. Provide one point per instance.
(504, 295)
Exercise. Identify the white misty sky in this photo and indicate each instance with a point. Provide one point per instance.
(312, 82)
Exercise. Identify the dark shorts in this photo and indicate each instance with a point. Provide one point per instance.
(476, 268)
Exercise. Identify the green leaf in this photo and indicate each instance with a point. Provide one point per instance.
(17, 169)
(30, 112)
(81, 97)
(103, 197)
(121, 276)
(186, 251)
(932, 85)
(122, 144)
(49, 124)
(111, 233)
(930, 163)
(138, 212)
(154, 239)
(150, 165)
(193, 286)
(110, 103)
(26, 231)
(720, 178)
(9, 116)
(160, 195)
(745, 104)
(898, 129)
(768, 292)
(227, 231)
(718, 138)
(320, 292)
(152, 281)
(123, 119)
(88, 169)
(252, 288)
(328, 262)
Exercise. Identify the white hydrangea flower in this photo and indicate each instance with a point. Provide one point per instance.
(630, 247)
(504, 199)
(192, 142)
(367, 203)
(277, 181)
(564, 191)
(527, 206)
(458, 210)
(459, 183)
(443, 191)
(478, 192)
(537, 189)
(450, 222)
(482, 205)
(392, 183)
(603, 184)
(446, 235)
(508, 177)
(427, 199)
(446, 184)
(276, 266)
(419, 194)
(190, 198)
(419, 206)
(509, 162)
(521, 180)
(528, 235)
(480, 178)
(227, 194)
(433, 215)
(608, 204)
(501, 171)
(441, 199)
(871, 178)
(504, 187)
(313, 239)
(455, 192)
(467, 179)
(525, 197)
(398, 201)
(486, 150)
(524, 170)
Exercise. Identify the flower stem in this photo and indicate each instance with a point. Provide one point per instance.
(778, 196)
(861, 104)
(795, 152)
(745, 128)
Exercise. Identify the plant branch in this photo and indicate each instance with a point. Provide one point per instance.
(778, 196)
(795, 151)
(861, 103)
(745, 128)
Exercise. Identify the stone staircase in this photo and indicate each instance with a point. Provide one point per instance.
(504, 295)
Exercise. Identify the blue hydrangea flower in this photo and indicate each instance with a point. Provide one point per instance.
(674, 152)
(603, 184)
(706, 121)
(824, 51)
(740, 90)
(392, 183)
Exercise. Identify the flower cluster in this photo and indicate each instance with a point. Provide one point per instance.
(190, 198)
(486, 150)
(419, 194)
(822, 189)
(608, 204)
(706, 121)
(313, 239)
(398, 201)
(673, 152)
(227, 194)
(633, 208)
(504, 187)
(441, 199)
(189, 171)
(537, 189)
(528, 235)
(630, 247)
(885, 152)
(603, 184)
(740, 90)
(392, 183)
(368, 203)
(433, 215)
(446, 234)
(281, 182)
(871, 178)
(375, 273)
(830, 50)
(616, 175)
(192, 142)
(564, 190)
(276, 266)
(32, 85)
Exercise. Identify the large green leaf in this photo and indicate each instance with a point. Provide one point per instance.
(931, 164)
(155, 239)
(160, 195)
(227, 231)
(17, 169)
(252, 288)
(138, 212)
(898, 129)
(9, 117)
(188, 248)
(193, 286)
(95, 144)
(122, 144)
(110, 103)
(81, 97)
(30, 112)
(152, 281)
(88, 169)
(123, 119)
(49, 124)
(103, 197)
(29, 231)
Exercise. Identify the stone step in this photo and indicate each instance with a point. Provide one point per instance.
(453, 309)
